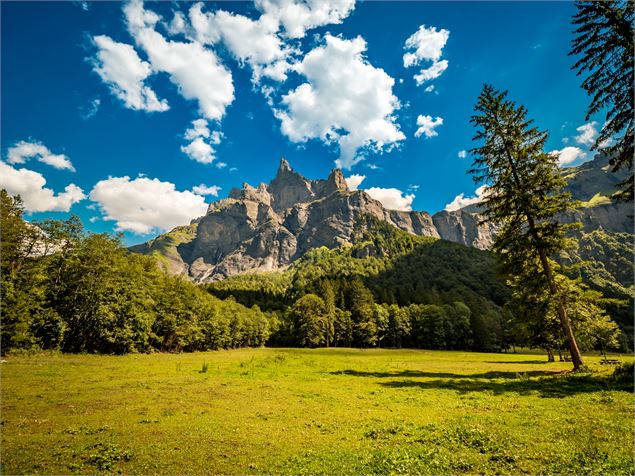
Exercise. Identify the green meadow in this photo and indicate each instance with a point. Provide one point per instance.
(300, 411)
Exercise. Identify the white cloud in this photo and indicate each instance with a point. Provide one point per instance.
(427, 126)
(461, 201)
(120, 67)
(296, 17)
(392, 198)
(202, 142)
(354, 181)
(91, 109)
(203, 189)
(462, 154)
(345, 101)
(194, 69)
(568, 155)
(429, 89)
(588, 134)
(426, 44)
(413, 187)
(30, 186)
(251, 41)
(199, 129)
(23, 151)
(200, 151)
(143, 205)
(433, 72)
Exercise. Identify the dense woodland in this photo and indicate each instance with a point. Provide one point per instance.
(63, 288)
(393, 289)
(66, 289)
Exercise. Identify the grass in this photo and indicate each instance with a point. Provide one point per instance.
(294, 411)
(596, 200)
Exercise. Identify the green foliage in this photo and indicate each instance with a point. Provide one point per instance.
(604, 39)
(309, 315)
(64, 289)
(523, 197)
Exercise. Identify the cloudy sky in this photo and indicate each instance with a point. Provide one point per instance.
(135, 115)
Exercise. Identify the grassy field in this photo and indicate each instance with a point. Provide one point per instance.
(312, 411)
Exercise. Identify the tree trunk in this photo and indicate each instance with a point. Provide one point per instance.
(576, 356)
(550, 357)
(574, 350)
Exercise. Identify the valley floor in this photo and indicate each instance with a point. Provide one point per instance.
(296, 411)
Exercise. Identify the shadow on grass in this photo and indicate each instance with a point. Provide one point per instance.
(418, 373)
(544, 361)
(547, 384)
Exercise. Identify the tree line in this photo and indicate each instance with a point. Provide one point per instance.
(65, 289)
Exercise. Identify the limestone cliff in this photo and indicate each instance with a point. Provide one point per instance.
(268, 227)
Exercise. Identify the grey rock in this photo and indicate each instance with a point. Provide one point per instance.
(268, 227)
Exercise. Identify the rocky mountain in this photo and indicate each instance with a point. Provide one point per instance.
(268, 227)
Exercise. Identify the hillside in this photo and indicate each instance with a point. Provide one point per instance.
(269, 227)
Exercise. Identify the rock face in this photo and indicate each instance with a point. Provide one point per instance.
(268, 227)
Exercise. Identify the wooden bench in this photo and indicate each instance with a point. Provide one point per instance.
(609, 361)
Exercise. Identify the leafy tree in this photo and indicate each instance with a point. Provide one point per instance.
(309, 313)
(604, 39)
(328, 295)
(343, 327)
(398, 331)
(362, 307)
(22, 276)
(523, 197)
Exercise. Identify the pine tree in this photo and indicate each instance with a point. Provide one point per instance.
(523, 196)
(604, 38)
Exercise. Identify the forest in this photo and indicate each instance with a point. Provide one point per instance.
(69, 290)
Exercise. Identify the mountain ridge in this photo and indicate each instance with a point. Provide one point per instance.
(268, 227)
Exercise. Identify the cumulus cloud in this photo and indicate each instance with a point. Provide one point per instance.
(461, 201)
(23, 151)
(199, 150)
(120, 67)
(202, 142)
(587, 134)
(427, 126)
(251, 41)
(392, 198)
(426, 45)
(353, 182)
(345, 101)
(194, 69)
(30, 185)
(203, 189)
(296, 17)
(430, 73)
(462, 154)
(568, 155)
(143, 205)
(199, 129)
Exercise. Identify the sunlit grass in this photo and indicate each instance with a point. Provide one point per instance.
(312, 411)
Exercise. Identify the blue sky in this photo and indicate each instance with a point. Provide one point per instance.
(92, 94)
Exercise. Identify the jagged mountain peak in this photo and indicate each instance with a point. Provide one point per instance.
(268, 227)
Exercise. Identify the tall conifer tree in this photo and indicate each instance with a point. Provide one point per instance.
(604, 42)
(523, 196)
